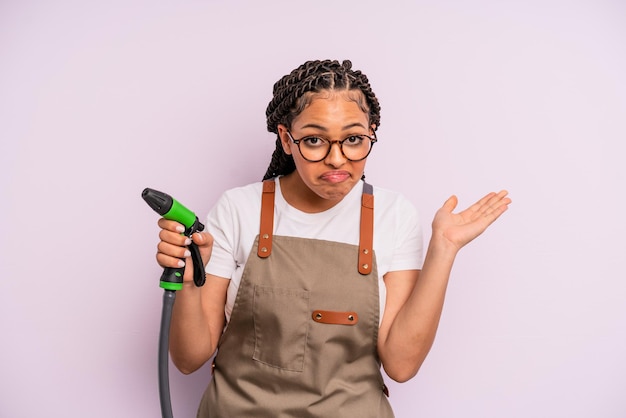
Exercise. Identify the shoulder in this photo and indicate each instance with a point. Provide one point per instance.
(241, 198)
(398, 235)
(395, 216)
(237, 203)
(247, 192)
(392, 201)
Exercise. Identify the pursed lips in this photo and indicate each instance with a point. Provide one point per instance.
(335, 176)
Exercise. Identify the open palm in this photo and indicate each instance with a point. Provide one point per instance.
(458, 229)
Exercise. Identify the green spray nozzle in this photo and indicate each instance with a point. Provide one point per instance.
(170, 208)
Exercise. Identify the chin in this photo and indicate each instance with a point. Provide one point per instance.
(336, 191)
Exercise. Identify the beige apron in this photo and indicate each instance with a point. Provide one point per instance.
(301, 341)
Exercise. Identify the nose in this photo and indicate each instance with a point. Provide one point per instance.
(335, 157)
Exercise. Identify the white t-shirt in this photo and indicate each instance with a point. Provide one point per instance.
(235, 219)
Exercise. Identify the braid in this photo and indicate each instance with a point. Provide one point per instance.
(290, 99)
(282, 163)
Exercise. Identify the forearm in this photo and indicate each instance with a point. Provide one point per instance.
(190, 341)
(413, 330)
(193, 338)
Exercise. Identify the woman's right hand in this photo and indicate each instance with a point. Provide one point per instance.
(172, 249)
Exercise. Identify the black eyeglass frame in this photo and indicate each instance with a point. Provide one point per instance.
(373, 140)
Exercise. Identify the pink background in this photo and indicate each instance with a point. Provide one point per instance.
(101, 99)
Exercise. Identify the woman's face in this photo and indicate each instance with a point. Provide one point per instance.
(333, 116)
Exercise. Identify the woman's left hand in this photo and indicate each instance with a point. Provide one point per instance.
(458, 229)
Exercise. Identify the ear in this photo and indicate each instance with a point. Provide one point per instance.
(373, 127)
(284, 138)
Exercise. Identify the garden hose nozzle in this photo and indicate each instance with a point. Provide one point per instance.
(170, 208)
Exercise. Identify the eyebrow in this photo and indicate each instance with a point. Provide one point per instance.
(323, 128)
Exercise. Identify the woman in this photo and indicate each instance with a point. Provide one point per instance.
(312, 275)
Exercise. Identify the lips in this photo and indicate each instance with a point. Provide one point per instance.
(335, 176)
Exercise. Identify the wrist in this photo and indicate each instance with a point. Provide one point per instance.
(443, 248)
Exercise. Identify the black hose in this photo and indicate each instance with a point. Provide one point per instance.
(164, 338)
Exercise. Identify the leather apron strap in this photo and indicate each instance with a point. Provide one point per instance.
(366, 235)
(366, 238)
(266, 231)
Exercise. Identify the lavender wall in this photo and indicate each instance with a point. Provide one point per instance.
(98, 101)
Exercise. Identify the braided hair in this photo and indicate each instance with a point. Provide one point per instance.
(294, 92)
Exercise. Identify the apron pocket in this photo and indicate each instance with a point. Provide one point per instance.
(281, 318)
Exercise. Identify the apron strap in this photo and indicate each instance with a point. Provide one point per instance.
(267, 219)
(366, 237)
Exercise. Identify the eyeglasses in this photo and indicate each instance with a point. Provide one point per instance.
(315, 149)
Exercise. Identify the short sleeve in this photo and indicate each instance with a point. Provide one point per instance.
(408, 247)
(221, 224)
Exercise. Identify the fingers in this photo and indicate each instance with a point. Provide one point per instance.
(450, 204)
(172, 249)
(170, 225)
(487, 209)
(174, 238)
(169, 251)
(171, 232)
(493, 205)
(204, 241)
(165, 260)
(497, 200)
